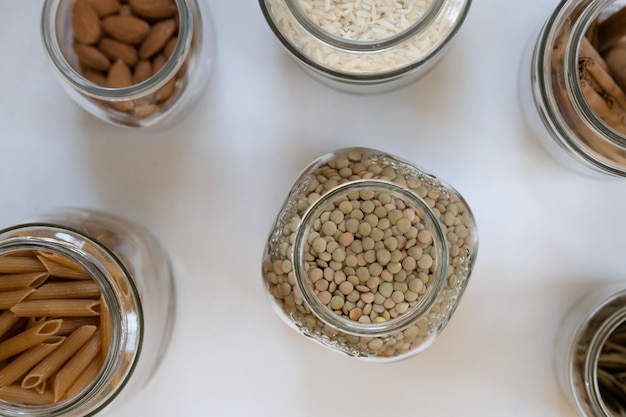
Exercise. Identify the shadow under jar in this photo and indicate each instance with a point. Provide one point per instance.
(367, 46)
(78, 360)
(569, 98)
(177, 74)
(369, 255)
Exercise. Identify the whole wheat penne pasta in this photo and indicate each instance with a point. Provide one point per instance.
(28, 338)
(66, 289)
(72, 369)
(17, 394)
(56, 359)
(63, 271)
(72, 323)
(60, 260)
(10, 282)
(41, 388)
(85, 378)
(9, 298)
(33, 321)
(20, 264)
(14, 330)
(16, 368)
(57, 308)
(105, 327)
(7, 320)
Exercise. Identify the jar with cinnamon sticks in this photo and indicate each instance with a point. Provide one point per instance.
(573, 86)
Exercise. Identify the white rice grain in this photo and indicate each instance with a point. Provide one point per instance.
(365, 20)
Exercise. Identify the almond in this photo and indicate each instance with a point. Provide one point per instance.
(119, 75)
(92, 57)
(118, 50)
(153, 9)
(128, 29)
(125, 10)
(95, 77)
(159, 34)
(142, 72)
(105, 7)
(145, 110)
(85, 22)
(166, 91)
(158, 62)
(169, 47)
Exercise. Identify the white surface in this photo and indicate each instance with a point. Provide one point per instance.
(210, 188)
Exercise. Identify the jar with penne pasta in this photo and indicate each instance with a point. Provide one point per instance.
(132, 63)
(81, 293)
(369, 255)
(573, 86)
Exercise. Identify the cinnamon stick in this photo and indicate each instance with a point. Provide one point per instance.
(604, 107)
(587, 50)
(615, 60)
(604, 81)
(611, 30)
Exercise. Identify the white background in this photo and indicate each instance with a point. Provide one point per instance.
(210, 187)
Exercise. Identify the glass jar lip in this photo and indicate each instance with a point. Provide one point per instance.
(65, 246)
(80, 83)
(367, 47)
(364, 46)
(541, 69)
(373, 329)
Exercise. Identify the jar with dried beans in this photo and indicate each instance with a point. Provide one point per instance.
(369, 255)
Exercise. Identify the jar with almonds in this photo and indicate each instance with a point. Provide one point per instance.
(86, 311)
(369, 255)
(135, 63)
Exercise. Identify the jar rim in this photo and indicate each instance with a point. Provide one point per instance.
(364, 46)
(67, 71)
(368, 47)
(101, 264)
(563, 111)
(374, 329)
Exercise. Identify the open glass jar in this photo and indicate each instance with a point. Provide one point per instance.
(86, 311)
(369, 255)
(590, 351)
(138, 67)
(569, 96)
(365, 47)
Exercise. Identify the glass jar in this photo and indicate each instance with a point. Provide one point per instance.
(369, 255)
(553, 96)
(401, 41)
(161, 92)
(136, 300)
(582, 335)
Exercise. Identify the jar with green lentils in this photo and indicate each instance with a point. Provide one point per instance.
(369, 255)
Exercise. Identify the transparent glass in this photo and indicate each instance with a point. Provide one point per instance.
(364, 65)
(136, 282)
(382, 281)
(583, 333)
(140, 105)
(552, 98)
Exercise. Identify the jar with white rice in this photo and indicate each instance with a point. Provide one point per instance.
(369, 255)
(365, 46)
